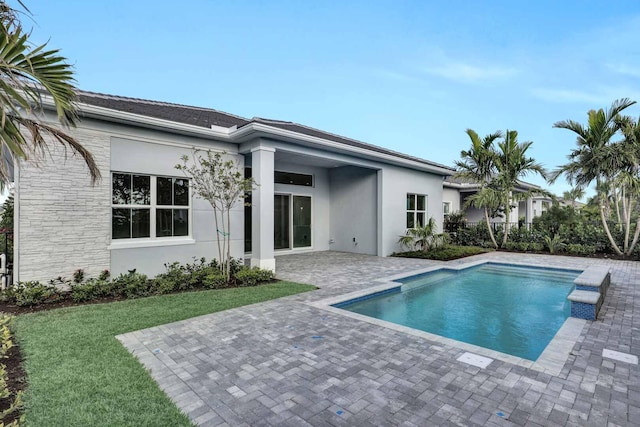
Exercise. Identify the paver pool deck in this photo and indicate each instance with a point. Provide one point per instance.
(286, 362)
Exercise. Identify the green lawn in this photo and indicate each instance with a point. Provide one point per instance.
(80, 375)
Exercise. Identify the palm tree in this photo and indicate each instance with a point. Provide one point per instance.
(512, 164)
(425, 237)
(573, 195)
(594, 159)
(628, 178)
(30, 76)
(477, 165)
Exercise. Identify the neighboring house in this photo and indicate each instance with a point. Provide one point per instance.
(316, 191)
(455, 193)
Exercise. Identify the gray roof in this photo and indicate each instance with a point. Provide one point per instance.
(206, 117)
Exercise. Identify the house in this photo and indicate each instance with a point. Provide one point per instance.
(456, 191)
(316, 191)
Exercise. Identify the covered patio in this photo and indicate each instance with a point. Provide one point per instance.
(285, 362)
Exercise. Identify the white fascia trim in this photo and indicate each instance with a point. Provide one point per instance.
(387, 158)
(217, 132)
(233, 134)
(134, 243)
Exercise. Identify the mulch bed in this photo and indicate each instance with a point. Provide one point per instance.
(16, 381)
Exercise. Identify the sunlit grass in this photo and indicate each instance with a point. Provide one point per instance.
(80, 375)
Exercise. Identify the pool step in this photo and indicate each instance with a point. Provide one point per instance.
(427, 279)
(591, 289)
(517, 271)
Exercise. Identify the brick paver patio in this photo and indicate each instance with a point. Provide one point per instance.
(285, 362)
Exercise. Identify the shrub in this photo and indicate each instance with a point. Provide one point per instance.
(215, 280)
(132, 285)
(577, 249)
(444, 253)
(78, 276)
(90, 290)
(34, 293)
(253, 276)
(554, 244)
(536, 247)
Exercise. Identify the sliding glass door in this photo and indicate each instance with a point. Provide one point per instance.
(281, 223)
(292, 221)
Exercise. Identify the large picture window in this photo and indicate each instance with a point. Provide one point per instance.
(145, 206)
(416, 210)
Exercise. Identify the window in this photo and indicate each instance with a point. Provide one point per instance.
(291, 178)
(416, 210)
(446, 208)
(145, 206)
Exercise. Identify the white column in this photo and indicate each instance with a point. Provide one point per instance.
(262, 160)
(380, 208)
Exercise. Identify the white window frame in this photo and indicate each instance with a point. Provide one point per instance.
(152, 240)
(448, 204)
(416, 210)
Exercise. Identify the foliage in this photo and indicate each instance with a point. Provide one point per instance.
(455, 221)
(425, 237)
(550, 220)
(222, 183)
(80, 375)
(253, 276)
(523, 246)
(475, 235)
(179, 277)
(613, 166)
(581, 250)
(6, 221)
(6, 343)
(477, 165)
(32, 293)
(444, 253)
(92, 289)
(554, 243)
(27, 72)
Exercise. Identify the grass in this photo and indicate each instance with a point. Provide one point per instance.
(444, 253)
(80, 375)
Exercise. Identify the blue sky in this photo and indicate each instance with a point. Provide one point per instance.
(407, 75)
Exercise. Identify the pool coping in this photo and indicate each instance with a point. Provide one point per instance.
(550, 361)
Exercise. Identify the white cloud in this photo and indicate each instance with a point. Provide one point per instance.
(599, 97)
(467, 73)
(565, 95)
(624, 69)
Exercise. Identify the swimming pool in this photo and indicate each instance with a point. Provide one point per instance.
(511, 309)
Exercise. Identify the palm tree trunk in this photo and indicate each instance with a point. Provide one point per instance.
(507, 212)
(627, 224)
(616, 198)
(606, 229)
(493, 239)
(635, 238)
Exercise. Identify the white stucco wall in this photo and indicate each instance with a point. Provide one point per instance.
(354, 210)
(158, 158)
(63, 223)
(452, 196)
(396, 183)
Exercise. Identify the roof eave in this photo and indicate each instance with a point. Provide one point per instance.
(245, 133)
(253, 130)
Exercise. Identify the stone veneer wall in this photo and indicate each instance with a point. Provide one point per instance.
(64, 221)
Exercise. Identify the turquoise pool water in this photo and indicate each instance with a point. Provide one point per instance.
(511, 309)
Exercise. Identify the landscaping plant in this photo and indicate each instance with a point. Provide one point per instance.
(222, 183)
